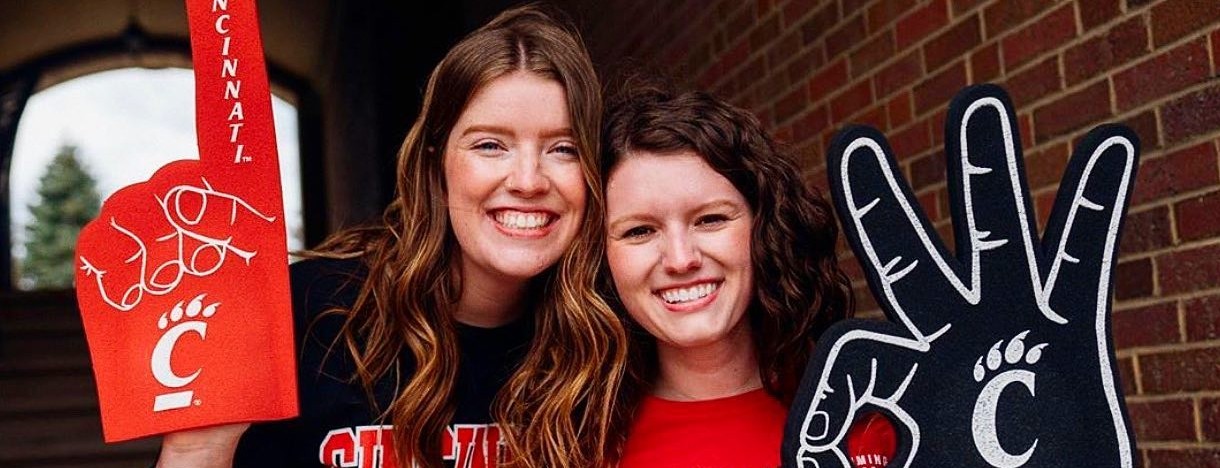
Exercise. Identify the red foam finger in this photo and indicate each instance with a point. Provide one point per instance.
(182, 280)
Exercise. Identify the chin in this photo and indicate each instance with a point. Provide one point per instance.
(523, 267)
(695, 339)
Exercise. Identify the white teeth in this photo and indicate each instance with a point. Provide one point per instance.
(673, 296)
(519, 220)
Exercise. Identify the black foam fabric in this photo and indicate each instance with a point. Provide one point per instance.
(1000, 355)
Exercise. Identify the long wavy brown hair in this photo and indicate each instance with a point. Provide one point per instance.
(799, 289)
(555, 410)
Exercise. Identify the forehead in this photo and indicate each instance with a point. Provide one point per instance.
(645, 181)
(522, 101)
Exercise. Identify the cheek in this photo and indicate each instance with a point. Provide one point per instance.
(734, 253)
(628, 270)
(456, 173)
(570, 182)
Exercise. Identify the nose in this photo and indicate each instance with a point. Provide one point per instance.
(681, 255)
(527, 177)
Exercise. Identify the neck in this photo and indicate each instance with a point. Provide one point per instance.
(489, 301)
(721, 369)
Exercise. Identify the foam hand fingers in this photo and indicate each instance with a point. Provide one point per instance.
(992, 218)
(1082, 235)
(903, 258)
(860, 366)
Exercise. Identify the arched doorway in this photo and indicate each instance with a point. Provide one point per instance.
(120, 133)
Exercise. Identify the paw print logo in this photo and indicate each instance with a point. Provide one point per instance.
(176, 323)
(983, 421)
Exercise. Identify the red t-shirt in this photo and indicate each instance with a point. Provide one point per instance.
(741, 431)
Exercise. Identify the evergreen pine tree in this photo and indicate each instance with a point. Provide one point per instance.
(68, 200)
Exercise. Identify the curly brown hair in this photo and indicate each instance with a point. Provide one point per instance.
(551, 412)
(799, 289)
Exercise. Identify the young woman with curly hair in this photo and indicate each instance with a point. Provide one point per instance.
(724, 263)
(464, 329)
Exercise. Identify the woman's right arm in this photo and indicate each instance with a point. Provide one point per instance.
(209, 447)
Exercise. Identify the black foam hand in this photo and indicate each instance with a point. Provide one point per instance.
(1000, 356)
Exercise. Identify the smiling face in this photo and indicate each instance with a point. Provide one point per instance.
(515, 189)
(678, 248)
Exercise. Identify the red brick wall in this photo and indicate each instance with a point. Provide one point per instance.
(808, 66)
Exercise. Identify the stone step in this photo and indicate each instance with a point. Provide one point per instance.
(48, 401)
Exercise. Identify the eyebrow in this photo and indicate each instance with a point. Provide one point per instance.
(502, 130)
(715, 203)
(634, 217)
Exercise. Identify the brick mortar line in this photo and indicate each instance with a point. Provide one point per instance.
(1198, 412)
(1148, 205)
(916, 46)
(1153, 254)
(733, 69)
(773, 71)
(636, 30)
(799, 20)
(1216, 145)
(1180, 312)
(1126, 7)
(978, 8)
(688, 32)
(1211, 52)
(1168, 348)
(1005, 74)
(1172, 397)
(1145, 156)
(782, 32)
(1155, 52)
(1154, 105)
(1131, 304)
(1167, 202)
(710, 40)
(1156, 273)
(1177, 446)
(1135, 371)
(1175, 238)
(1127, 306)
(1151, 54)
(1016, 28)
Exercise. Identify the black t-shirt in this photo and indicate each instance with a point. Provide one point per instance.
(337, 426)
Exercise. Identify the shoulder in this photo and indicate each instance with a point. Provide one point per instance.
(322, 277)
(319, 284)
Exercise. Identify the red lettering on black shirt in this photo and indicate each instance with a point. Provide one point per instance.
(464, 445)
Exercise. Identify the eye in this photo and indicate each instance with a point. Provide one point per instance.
(711, 220)
(487, 146)
(636, 233)
(567, 149)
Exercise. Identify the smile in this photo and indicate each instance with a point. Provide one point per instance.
(688, 294)
(520, 220)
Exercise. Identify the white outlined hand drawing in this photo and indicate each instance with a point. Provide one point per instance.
(998, 356)
(199, 250)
